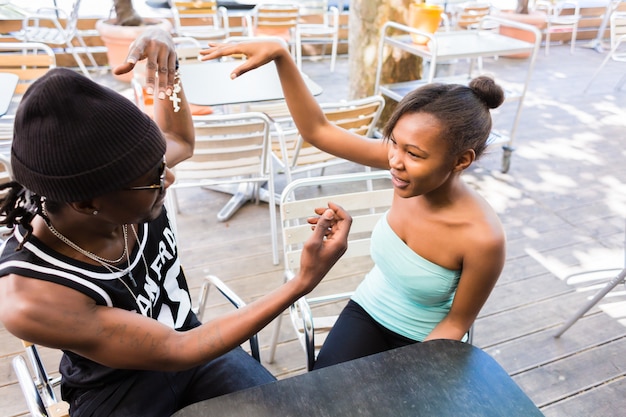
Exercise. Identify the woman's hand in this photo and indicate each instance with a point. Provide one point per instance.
(257, 53)
(157, 46)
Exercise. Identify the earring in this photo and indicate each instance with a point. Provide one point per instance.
(95, 212)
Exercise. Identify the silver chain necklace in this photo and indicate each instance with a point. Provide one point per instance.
(108, 264)
(85, 252)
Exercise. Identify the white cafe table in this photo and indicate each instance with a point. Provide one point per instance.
(8, 82)
(209, 84)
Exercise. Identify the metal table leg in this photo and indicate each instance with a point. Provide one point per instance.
(242, 193)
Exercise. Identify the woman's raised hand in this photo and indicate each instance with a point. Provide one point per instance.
(257, 53)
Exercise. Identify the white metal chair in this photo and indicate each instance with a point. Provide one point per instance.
(469, 15)
(561, 17)
(39, 387)
(618, 47)
(203, 20)
(29, 60)
(233, 298)
(310, 316)
(232, 150)
(325, 31)
(617, 279)
(44, 26)
(359, 116)
(278, 20)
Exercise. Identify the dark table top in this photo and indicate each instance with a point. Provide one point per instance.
(439, 378)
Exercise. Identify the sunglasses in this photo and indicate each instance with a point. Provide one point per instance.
(160, 186)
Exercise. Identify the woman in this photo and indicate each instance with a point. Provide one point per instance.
(440, 249)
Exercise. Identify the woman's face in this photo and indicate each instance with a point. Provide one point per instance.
(418, 156)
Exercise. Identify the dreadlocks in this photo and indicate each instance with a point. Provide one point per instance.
(19, 206)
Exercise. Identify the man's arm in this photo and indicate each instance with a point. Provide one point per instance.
(157, 48)
(59, 317)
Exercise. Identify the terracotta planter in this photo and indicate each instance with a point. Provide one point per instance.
(533, 18)
(117, 39)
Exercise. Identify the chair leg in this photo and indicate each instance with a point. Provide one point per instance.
(547, 48)
(34, 401)
(274, 339)
(78, 60)
(90, 56)
(333, 54)
(273, 223)
(298, 50)
(620, 83)
(593, 77)
(604, 291)
(573, 45)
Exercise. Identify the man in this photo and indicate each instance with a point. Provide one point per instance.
(92, 266)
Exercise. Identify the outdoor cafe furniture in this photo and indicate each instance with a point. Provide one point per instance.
(8, 82)
(209, 84)
(438, 47)
(442, 378)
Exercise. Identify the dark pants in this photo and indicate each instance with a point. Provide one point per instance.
(160, 394)
(357, 334)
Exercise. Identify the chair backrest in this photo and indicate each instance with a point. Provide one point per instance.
(618, 35)
(359, 116)
(187, 49)
(38, 388)
(202, 18)
(314, 9)
(274, 20)
(228, 146)
(470, 14)
(299, 198)
(29, 60)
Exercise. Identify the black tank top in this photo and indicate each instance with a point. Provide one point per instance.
(161, 292)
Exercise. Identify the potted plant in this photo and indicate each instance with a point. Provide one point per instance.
(118, 33)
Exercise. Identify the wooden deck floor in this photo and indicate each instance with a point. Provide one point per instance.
(563, 205)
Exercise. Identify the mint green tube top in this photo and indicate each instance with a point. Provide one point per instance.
(405, 292)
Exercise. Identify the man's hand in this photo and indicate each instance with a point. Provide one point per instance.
(157, 46)
(326, 245)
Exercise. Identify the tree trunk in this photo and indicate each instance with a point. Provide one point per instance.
(522, 7)
(367, 18)
(126, 14)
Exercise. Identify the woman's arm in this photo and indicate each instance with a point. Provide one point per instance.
(306, 112)
(482, 265)
(156, 46)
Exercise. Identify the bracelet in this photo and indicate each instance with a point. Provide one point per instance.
(177, 88)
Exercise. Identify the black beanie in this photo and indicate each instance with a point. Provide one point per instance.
(75, 139)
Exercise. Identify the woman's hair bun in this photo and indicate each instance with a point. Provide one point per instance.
(487, 91)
